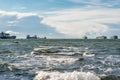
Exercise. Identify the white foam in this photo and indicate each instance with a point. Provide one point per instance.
(55, 49)
(66, 76)
(58, 62)
(61, 59)
(89, 54)
(109, 70)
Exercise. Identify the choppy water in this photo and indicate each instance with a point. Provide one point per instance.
(53, 59)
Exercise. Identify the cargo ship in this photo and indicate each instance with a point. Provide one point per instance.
(4, 35)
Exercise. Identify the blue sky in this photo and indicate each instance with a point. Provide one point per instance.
(60, 18)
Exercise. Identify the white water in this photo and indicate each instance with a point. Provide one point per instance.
(66, 76)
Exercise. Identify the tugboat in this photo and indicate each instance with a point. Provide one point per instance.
(4, 35)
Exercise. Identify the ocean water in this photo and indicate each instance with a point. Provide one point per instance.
(59, 59)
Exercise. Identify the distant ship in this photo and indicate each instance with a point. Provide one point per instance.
(101, 37)
(34, 37)
(114, 37)
(4, 35)
(31, 37)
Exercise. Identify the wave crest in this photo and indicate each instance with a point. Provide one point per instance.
(66, 76)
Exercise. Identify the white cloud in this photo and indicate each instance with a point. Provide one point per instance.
(17, 34)
(13, 18)
(106, 3)
(75, 22)
(17, 14)
(13, 32)
(80, 22)
(25, 23)
(15, 23)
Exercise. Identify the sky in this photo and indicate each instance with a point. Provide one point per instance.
(60, 18)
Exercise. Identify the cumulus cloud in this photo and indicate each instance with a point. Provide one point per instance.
(80, 22)
(25, 23)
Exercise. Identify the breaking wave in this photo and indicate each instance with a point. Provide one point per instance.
(66, 76)
(64, 51)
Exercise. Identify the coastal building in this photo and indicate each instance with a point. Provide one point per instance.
(114, 37)
(31, 37)
(4, 35)
(101, 37)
